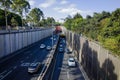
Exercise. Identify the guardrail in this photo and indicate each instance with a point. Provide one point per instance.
(48, 62)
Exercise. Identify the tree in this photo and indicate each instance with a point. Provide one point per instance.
(77, 15)
(36, 15)
(103, 27)
(50, 21)
(20, 6)
(6, 5)
(14, 23)
(68, 22)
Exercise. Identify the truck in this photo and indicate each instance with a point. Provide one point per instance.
(58, 29)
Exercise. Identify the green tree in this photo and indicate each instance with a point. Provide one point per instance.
(77, 15)
(36, 15)
(6, 5)
(68, 22)
(50, 21)
(20, 6)
(14, 23)
(103, 27)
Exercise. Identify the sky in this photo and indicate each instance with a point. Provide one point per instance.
(60, 9)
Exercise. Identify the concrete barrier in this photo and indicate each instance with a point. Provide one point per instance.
(48, 64)
(16, 40)
(98, 62)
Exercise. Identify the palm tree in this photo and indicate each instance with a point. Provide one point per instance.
(6, 5)
(21, 6)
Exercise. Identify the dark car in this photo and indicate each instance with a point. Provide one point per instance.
(61, 50)
(34, 67)
(68, 51)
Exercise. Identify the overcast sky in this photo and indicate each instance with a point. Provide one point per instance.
(62, 8)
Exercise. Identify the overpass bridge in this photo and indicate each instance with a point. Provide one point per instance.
(20, 48)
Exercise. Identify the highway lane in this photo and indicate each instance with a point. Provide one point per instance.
(62, 71)
(16, 67)
(70, 73)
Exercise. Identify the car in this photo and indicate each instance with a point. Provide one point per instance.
(61, 50)
(54, 38)
(48, 48)
(42, 46)
(71, 62)
(60, 42)
(63, 41)
(51, 38)
(61, 45)
(68, 51)
(34, 67)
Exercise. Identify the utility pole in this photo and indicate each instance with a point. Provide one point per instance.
(52, 36)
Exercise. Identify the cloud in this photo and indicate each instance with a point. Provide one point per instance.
(32, 2)
(72, 10)
(47, 3)
(63, 2)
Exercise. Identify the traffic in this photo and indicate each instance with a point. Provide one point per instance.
(27, 65)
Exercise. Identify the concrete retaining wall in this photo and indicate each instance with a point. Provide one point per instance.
(13, 41)
(98, 62)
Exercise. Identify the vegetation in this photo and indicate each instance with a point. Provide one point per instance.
(103, 27)
(35, 16)
(15, 18)
(20, 6)
(6, 5)
(10, 18)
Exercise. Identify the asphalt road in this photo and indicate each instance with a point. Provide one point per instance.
(62, 71)
(16, 67)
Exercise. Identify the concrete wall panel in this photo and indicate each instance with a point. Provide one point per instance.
(7, 44)
(98, 62)
(11, 42)
(20, 40)
(2, 46)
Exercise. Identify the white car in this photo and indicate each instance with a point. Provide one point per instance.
(48, 48)
(71, 62)
(34, 67)
(54, 38)
(42, 46)
(61, 45)
(51, 38)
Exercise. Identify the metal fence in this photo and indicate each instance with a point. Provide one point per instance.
(98, 62)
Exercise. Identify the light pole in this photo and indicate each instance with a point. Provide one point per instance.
(52, 35)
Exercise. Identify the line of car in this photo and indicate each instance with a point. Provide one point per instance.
(34, 67)
(71, 61)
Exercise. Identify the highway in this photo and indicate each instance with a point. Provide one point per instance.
(16, 68)
(61, 69)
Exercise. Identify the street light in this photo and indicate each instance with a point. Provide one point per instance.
(52, 36)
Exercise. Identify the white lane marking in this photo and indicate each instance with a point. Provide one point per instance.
(25, 64)
(68, 75)
(3, 72)
(6, 75)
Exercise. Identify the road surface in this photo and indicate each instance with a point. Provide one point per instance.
(16, 67)
(62, 71)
